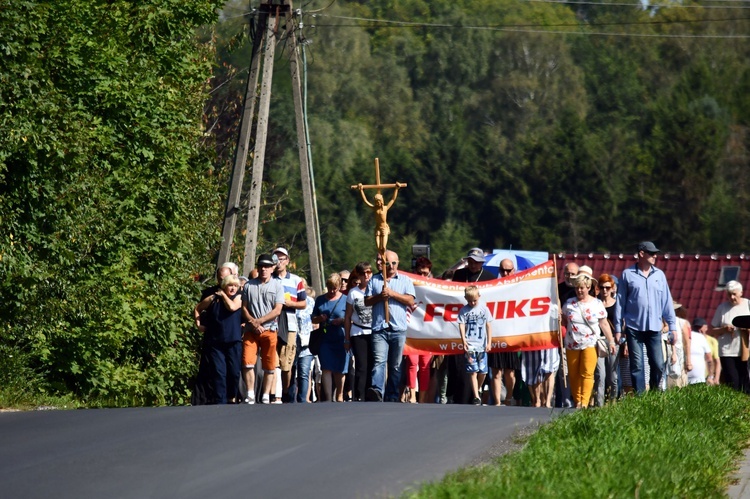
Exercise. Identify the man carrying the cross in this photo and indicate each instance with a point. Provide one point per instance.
(388, 337)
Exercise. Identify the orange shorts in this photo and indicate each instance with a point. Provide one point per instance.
(266, 341)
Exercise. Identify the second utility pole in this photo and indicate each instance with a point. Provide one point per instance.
(264, 45)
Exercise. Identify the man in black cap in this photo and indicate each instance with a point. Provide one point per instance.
(262, 302)
(474, 270)
(643, 301)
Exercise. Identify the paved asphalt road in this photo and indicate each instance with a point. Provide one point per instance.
(314, 450)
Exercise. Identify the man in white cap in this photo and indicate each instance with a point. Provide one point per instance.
(643, 301)
(294, 299)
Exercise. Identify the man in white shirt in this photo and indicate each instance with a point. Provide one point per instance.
(294, 299)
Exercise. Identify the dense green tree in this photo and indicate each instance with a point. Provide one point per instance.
(105, 195)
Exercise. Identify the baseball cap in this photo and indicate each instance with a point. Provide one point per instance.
(648, 246)
(476, 254)
(266, 260)
(700, 322)
(282, 250)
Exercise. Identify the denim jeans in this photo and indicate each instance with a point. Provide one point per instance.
(605, 379)
(387, 346)
(302, 366)
(652, 340)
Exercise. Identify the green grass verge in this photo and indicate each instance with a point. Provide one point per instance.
(681, 443)
(23, 388)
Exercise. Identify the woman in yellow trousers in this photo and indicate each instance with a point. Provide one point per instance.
(585, 319)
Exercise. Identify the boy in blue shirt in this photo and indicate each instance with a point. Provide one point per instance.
(474, 325)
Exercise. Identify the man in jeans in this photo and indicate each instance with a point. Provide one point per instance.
(643, 301)
(388, 337)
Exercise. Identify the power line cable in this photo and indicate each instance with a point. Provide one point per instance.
(521, 28)
(321, 10)
(638, 5)
(409, 24)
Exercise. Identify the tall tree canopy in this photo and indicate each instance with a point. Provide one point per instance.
(540, 126)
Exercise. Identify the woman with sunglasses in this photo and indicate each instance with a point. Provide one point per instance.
(605, 377)
(329, 311)
(358, 328)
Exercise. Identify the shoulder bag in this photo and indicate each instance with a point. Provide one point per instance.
(602, 346)
(316, 339)
(317, 335)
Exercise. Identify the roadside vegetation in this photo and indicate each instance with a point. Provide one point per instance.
(23, 388)
(681, 443)
(534, 125)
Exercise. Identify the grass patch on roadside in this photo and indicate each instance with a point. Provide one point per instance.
(22, 388)
(681, 443)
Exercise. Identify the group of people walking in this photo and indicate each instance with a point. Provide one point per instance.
(621, 335)
(274, 316)
(646, 341)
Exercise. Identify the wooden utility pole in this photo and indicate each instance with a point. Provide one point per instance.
(308, 195)
(253, 208)
(264, 46)
(243, 142)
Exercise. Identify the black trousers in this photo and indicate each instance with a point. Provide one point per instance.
(734, 373)
(362, 348)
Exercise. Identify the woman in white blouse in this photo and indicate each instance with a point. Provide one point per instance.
(733, 362)
(585, 318)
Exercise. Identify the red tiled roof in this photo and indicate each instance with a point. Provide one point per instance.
(692, 279)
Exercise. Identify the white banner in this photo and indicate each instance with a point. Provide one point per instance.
(524, 306)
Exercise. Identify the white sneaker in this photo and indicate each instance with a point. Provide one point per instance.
(249, 400)
(265, 399)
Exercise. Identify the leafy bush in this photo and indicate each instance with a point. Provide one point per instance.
(106, 197)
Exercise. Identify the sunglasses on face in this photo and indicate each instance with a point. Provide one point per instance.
(606, 288)
(506, 271)
(391, 264)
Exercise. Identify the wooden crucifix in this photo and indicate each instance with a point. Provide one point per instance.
(381, 214)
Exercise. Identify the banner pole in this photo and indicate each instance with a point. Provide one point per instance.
(563, 358)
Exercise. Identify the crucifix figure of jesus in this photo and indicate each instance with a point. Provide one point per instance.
(379, 207)
(381, 215)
